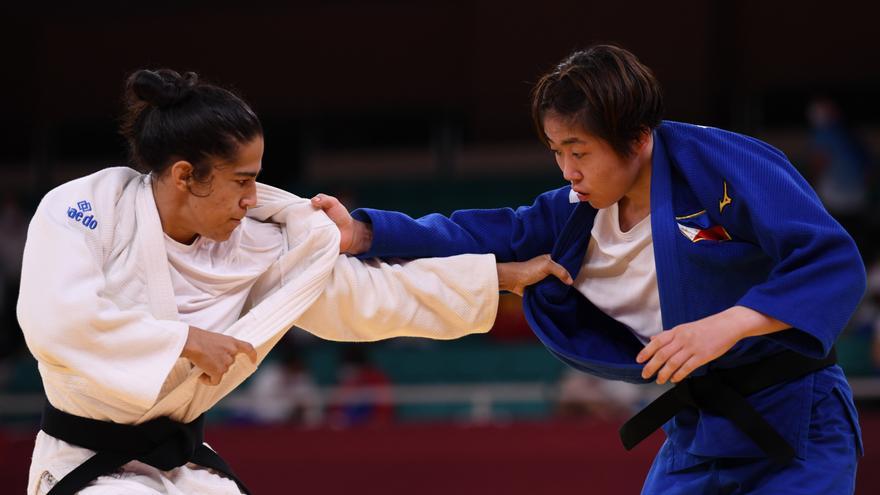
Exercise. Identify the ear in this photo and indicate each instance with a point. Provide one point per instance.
(644, 141)
(645, 137)
(181, 173)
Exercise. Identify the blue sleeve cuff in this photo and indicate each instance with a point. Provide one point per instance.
(397, 235)
(380, 246)
(801, 338)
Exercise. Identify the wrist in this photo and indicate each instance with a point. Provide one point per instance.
(190, 346)
(363, 237)
(747, 322)
(501, 270)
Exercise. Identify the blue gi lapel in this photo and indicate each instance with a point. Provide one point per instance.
(665, 234)
(571, 247)
(570, 326)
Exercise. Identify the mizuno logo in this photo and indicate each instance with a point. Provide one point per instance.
(724, 200)
(78, 214)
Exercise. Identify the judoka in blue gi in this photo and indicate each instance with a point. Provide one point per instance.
(700, 256)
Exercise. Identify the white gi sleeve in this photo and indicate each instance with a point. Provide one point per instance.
(71, 327)
(437, 298)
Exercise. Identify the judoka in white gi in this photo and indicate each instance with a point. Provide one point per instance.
(154, 295)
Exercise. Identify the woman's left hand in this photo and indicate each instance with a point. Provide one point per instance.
(677, 352)
(674, 354)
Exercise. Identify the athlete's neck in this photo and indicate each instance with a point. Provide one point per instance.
(170, 205)
(635, 205)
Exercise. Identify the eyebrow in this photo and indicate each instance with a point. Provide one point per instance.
(248, 174)
(570, 140)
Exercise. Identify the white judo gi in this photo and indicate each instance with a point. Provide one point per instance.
(98, 310)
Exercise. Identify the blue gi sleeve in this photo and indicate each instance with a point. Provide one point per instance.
(511, 235)
(818, 277)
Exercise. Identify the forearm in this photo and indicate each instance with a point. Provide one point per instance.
(746, 322)
(499, 231)
(439, 298)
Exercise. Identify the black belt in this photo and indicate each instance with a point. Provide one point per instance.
(723, 392)
(161, 443)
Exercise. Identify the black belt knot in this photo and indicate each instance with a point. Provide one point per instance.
(179, 445)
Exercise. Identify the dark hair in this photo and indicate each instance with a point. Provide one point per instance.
(170, 117)
(606, 90)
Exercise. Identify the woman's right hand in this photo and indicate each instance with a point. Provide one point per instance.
(356, 237)
(516, 276)
(214, 353)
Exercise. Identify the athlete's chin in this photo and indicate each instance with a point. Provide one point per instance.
(220, 236)
(598, 203)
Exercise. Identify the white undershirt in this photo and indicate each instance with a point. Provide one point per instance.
(618, 274)
(212, 279)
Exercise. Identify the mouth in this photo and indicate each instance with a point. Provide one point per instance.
(582, 196)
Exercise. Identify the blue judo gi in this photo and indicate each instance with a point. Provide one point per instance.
(733, 223)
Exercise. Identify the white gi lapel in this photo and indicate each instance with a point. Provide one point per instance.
(155, 260)
(160, 289)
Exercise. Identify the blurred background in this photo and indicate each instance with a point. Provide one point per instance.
(422, 107)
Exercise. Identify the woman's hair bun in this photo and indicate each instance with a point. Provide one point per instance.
(161, 88)
(170, 117)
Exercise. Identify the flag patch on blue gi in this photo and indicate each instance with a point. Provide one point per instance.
(697, 227)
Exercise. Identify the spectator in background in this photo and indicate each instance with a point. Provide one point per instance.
(840, 167)
(510, 324)
(284, 390)
(13, 225)
(875, 346)
(872, 300)
(363, 396)
(582, 395)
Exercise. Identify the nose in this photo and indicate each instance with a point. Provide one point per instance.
(569, 172)
(249, 200)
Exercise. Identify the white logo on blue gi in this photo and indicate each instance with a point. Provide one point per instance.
(78, 214)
